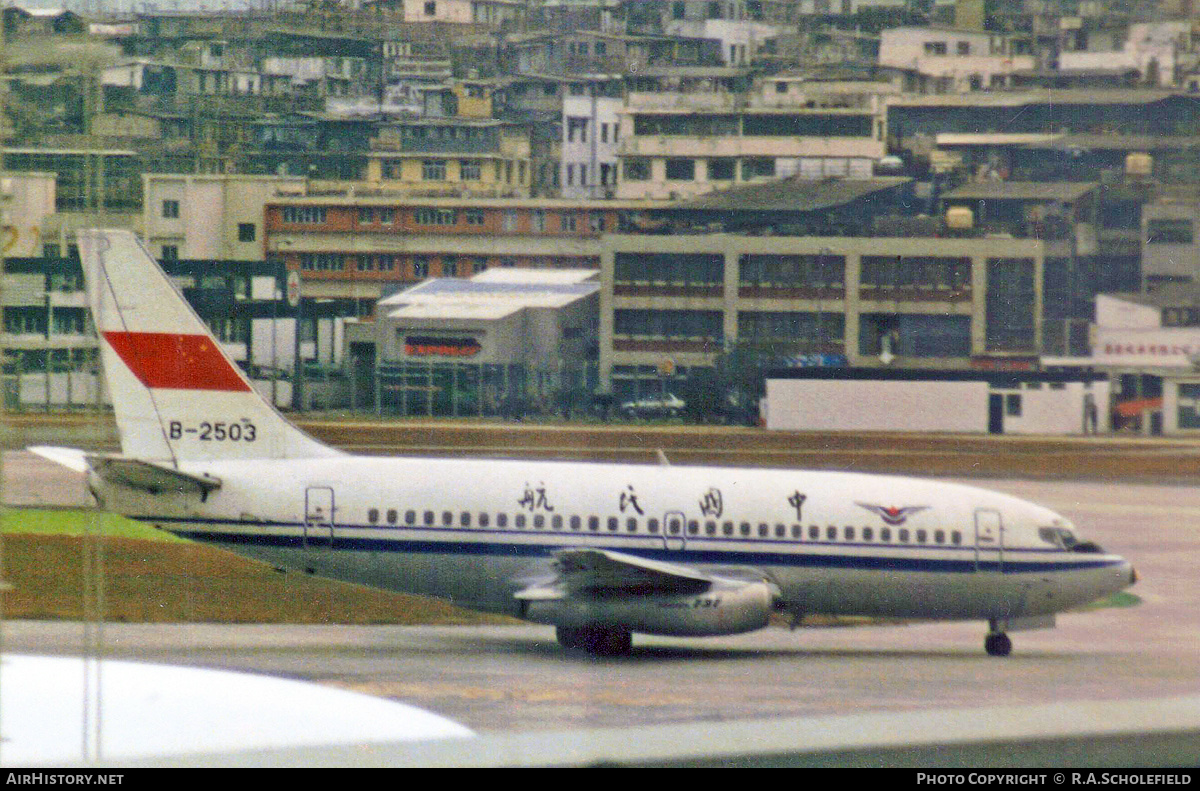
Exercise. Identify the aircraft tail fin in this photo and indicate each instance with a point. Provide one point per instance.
(176, 393)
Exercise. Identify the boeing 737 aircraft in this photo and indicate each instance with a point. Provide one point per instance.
(597, 550)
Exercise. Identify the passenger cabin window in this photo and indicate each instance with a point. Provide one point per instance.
(710, 528)
(612, 524)
(483, 519)
(693, 527)
(868, 534)
(539, 521)
(885, 534)
(745, 528)
(519, 521)
(631, 525)
(576, 523)
(921, 536)
(831, 533)
(904, 535)
(780, 531)
(849, 533)
(429, 517)
(652, 525)
(447, 518)
(410, 517)
(464, 519)
(501, 520)
(814, 532)
(373, 515)
(593, 523)
(763, 530)
(392, 516)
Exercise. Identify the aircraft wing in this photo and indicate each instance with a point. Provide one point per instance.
(600, 571)
(149, 475)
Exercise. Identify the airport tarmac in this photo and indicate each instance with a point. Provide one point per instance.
(516, 679)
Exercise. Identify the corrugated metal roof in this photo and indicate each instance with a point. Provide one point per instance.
(484, 298)
(1022, 190)
(791, 195)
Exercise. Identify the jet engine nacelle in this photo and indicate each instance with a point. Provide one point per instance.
(728, 608)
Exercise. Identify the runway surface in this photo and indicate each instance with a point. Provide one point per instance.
(509, 679)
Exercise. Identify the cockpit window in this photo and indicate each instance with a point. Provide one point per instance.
(1064, 538)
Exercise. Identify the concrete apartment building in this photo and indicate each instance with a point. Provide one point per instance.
(590, 134)
(958, 61)
(685, 132)
(361, 248)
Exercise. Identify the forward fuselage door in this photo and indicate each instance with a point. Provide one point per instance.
(318, 516)
(674, 529)
(989, 540)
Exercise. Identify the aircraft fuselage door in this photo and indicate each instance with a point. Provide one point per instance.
(318, 516)
(674, 529)
(989, 540)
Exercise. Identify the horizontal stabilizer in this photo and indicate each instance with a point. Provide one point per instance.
(151, 476)
(591, 571)
(71, 458)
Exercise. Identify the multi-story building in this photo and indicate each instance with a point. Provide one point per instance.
(958, 61)
(452, 156)
(685, 132)
(590, 130)
(210, 217)
(360, 248)
(677, 303)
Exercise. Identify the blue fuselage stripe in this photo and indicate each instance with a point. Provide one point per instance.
(899, 558)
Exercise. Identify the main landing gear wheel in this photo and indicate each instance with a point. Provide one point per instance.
(595, 640)
(997, 644)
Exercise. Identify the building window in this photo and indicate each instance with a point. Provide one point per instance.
(508, 221)
(474, 216)
(472, 170)
(430, 8)
(170, 209)
(721, 169)
(435, 216)
(758, 167)
(311, 215)
(247, 232)
(449, 267)
(577, 129)
(433, 170)
(420, 267)
(935, 47)
(637, 170)
(170, 252)
(1169, 232)
(681, 169)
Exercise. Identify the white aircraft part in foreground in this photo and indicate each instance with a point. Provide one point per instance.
(60, 709)
(598, 550)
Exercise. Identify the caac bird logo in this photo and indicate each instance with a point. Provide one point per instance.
(891, 514)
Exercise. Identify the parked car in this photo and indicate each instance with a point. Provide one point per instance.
(666, 404)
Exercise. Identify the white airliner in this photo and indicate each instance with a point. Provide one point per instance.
(597, 550)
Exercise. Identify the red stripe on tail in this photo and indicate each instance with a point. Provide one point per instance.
(174, 361)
